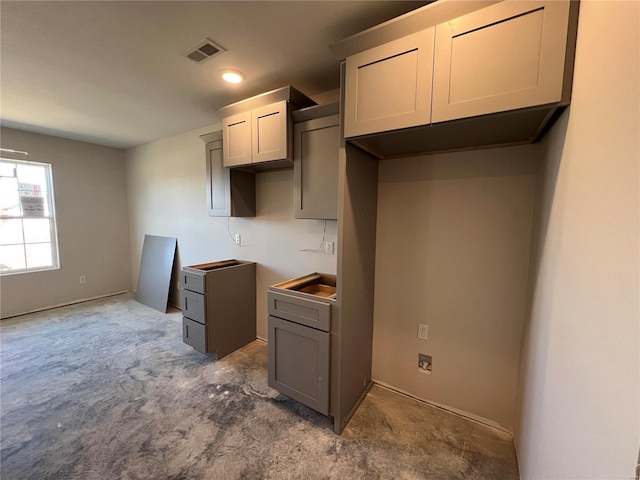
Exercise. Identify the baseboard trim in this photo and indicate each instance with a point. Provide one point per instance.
(461, 413)
(82, 300)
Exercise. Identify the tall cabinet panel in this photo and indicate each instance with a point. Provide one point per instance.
(230, 193)
(315, 163)
(504, 57)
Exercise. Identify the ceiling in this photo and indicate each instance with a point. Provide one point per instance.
(113, 72)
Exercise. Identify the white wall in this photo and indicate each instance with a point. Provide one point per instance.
(452, 252)
(166, 185)
(579, 394)
(91, 211)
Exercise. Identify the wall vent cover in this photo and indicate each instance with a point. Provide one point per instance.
(203, 50)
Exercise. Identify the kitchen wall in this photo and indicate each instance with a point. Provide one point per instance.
(452, 252)
(579, 407)
(166, 185)
(91, 212)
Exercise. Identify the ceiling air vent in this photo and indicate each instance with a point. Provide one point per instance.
(203, 51)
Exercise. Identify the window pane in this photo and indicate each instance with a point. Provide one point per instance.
(9, 201)
(34, 174)
(37, 230)
(7, 169)
(12, 257)
(11, 232)
(38, 255)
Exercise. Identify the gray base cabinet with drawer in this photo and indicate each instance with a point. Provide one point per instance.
(299, 361)
(219, 306)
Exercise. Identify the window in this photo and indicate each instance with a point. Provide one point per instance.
(28, 239)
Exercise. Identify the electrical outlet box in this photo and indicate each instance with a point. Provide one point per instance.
(425, 363)
(423, 331)
(238, 239)
(329, 247)
(83, 279)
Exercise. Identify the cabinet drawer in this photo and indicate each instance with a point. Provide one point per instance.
(299, 363)
(193, 282)
(194, 306)
(194, 334)
(300, 310)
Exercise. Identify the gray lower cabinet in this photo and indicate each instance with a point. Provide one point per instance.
(299, 363)
(316, 143)
(299, 339)
(219, 306)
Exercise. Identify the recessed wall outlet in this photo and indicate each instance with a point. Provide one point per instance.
(83, 279)
(238, 239)
(423, 331)
(425, 363)
(329, 247)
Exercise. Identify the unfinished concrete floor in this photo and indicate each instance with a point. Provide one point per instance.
(107, 389)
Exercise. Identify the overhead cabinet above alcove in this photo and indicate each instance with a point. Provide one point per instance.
(257, 131)
(459, 75)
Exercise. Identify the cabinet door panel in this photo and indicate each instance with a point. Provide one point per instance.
(315, 168)
(299, 363)
(269, 132)
(389, 87)
(194, 334)
(507, 56)
(218, 182)
(237, 140)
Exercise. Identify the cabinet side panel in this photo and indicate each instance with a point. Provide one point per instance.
(356, 277)
(243, 193)
(231, 308)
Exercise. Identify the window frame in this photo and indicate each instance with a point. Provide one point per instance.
(53, 227)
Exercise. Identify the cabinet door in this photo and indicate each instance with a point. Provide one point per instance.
(504, 57)
(389, 87)
(236, 135)
(269, 132)
(218, 182)
(315, 168)
(299, 363)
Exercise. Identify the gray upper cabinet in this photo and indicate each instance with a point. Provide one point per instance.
(389, 87)
(257, 132)
(230, 193)
(459, 75)
(504, 57)
(256, 136)
(315, 163)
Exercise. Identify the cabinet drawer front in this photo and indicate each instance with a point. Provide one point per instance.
(194, 306)
(194, 334)
(507, 56)
(300, 310)
(193, 282)
(389, 87)
(299, 363)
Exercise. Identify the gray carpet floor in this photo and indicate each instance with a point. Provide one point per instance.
(107, 390)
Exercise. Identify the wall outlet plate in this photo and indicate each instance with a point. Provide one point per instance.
(329, 247)
(423, 331)
(238, 239)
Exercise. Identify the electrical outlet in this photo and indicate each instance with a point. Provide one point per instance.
(238, 239)
(423, 331)
(83, 279)
(329, 247)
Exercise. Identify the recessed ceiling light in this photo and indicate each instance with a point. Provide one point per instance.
(232, 76)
